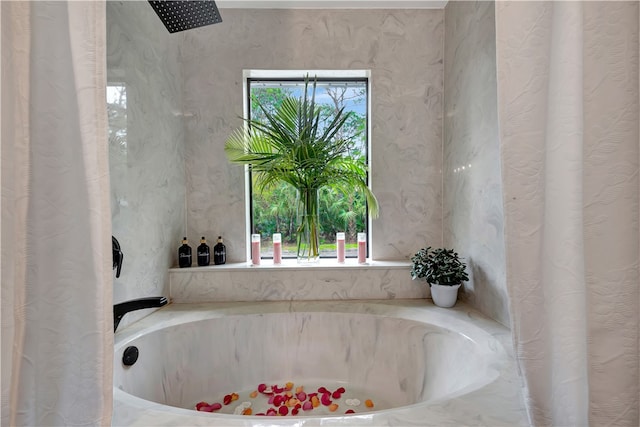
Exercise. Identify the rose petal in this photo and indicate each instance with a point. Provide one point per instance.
(350, 411)
(283, 410)
(307, 406)
(333, 407)
(368, 403)
(326, 399)
(277, 400)
(200, 405)
(302, 396)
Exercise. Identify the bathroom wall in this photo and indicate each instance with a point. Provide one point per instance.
(404, 51)
(146, 149)
(472, 189)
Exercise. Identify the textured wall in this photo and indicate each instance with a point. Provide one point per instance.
(235, 282)
(403, 50)
(472, 200)
(147, 175)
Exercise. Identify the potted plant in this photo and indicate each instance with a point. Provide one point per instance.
(293, 145)
(443, 270)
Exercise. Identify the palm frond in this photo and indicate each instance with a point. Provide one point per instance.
(295, 146)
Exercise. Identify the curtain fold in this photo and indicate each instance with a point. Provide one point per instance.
(568, 115)
(57, 335)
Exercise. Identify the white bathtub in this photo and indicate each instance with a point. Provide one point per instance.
(419, 364)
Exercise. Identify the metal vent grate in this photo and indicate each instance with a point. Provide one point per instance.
(187, 14)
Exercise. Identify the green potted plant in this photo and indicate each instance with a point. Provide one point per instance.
(293, 145)
(443, 270)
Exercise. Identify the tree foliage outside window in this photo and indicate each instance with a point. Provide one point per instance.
(274, 210)
(117, 114)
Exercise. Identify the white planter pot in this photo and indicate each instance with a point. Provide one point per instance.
(444, 296)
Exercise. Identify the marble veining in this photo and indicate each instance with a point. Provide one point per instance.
(434, 366)
(403, 50)
(473, 218)
(147, 173)
(240, 282)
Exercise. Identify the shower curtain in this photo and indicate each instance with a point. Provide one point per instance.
(568, 116)
(57, 335)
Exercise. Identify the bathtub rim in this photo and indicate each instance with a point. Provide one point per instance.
(460, 319)
(191, 312)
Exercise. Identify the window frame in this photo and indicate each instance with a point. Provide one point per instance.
(298, 76)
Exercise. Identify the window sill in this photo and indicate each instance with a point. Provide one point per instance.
(292, 264)
(292, 281)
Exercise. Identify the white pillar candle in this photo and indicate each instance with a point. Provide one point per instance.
(362, 248)
(340, 247)
(255, 249)
(277, 248)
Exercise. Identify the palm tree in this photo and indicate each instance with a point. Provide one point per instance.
(291, 144)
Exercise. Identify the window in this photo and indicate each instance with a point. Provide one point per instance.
(117, 112)
(274, 211)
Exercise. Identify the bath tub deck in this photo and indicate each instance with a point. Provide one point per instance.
(497, 401)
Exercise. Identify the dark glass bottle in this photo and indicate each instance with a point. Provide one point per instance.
(219, 252)
(204, 256)
(184, 254)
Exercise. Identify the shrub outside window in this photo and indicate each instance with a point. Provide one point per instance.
(274, 210)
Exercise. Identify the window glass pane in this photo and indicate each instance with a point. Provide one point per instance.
(274, 210)
(117, 112)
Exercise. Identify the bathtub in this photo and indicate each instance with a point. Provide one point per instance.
(395, 362)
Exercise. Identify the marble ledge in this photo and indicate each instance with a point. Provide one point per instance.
(289, 264)
(289, 281)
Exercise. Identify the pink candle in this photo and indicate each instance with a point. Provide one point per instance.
(340, 247)
(277, 248)
(362, 248)
(277, 253)
(255, 249)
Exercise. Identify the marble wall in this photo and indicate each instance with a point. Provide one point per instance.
(291, 282)
(146, 149)
(472, 189)
(170, 176)
(404, 51)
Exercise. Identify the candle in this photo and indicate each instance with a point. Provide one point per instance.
(362, 248)
(277, 248)
(340, 247)
(255, 249)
